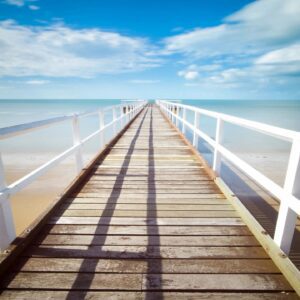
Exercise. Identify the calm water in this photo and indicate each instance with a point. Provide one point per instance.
(284, 114)
(54, 138)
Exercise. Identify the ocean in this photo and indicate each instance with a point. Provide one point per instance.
(24, 153)
(285, 114)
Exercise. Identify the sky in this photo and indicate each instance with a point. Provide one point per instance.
(171, 49)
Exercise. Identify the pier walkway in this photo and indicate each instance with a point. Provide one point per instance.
(146, 221)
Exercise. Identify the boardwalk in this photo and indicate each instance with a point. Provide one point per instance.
(146, 223)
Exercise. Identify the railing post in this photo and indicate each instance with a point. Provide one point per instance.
(101, 125)
(7, 226)
(219, 138)
(125, 114)
(195, 136)
(130, 111)
(286, 220)
(183, 120)
(121, 117)
(173, 114)
(77, 141)
(177, 114)
(114, 116)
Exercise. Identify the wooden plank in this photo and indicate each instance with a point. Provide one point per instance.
(152, 266)
(110, 179)
(145, 252)
(145, 214)
(158, 196)
(149, 197)
(134, 240)
(111, 191)
(167, 179)
(216, 282)
(117, 295)
(149, 207)
(64, 281)
(144, 200)
(149, 165)
(148, 221)
(147, 230)
(206, 185)
(150, 185)
(147, 156)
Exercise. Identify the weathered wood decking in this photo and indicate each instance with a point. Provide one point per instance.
(147, 223)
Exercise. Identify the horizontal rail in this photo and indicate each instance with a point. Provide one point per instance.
(127, 112)
(11, 131)
(19, 129)
(278, 132)
(287, 195)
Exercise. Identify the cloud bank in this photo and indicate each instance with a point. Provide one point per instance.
(60, 51)
(257, 47)
(260, 40)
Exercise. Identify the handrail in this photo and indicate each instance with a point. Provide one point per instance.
(284, 134)
(14, 130)
(127, 112)
(287, 195)
(11, 131)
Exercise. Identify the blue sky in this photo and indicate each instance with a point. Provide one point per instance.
(216, 49)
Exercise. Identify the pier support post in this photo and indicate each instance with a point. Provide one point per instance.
(7, 226)
(218, 139)
(195, 136)
(286, 220)
(101, 125)
(77, 141)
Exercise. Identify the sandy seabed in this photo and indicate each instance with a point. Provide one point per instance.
(29, 203)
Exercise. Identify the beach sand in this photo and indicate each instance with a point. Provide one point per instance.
(29, 203)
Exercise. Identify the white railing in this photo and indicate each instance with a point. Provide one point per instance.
(288, 195)
(117, 123)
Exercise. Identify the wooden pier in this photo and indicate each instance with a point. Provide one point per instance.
(144, 221)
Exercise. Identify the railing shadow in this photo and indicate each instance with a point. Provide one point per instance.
(107, 213)
(153, 237)
(263, 211)
(255, 202)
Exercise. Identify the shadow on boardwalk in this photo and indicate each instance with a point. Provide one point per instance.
(152, 279)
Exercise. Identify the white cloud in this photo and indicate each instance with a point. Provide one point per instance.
(15, 2)
(60, 51)
(259, 44)
(284, 55)
(37, 82)
(260, 26)
(188, 74)
(194, 71)
(144, 81)
(21, 3)
(33, 7)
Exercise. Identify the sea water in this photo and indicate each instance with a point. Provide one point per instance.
(254, 147)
